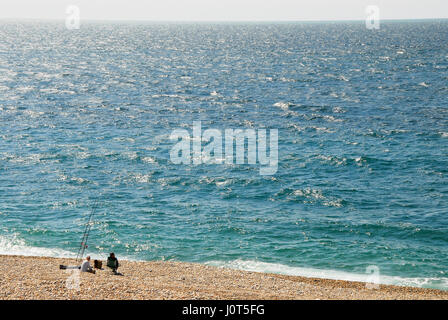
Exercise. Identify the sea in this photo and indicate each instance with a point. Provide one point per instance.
(361, 187)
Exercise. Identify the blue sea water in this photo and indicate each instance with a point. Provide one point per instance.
(362, 116)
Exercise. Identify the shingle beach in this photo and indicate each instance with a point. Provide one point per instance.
(40, 278)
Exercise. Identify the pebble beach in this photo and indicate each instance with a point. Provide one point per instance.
(25, 278)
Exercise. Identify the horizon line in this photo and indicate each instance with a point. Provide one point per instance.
(216, 21)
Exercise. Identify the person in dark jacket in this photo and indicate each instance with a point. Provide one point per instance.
(112, 262)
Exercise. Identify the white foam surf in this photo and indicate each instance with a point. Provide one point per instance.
(264, 267)
(13, 245)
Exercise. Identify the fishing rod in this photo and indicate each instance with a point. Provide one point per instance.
(87, 229)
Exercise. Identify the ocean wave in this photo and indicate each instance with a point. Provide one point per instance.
(309, 196)
(142, 178)
(149, 159)
(282, 105)
(265, 267)
(218, 181)
(13, 245)
(337, 161)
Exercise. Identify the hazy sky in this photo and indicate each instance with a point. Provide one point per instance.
(224, 10)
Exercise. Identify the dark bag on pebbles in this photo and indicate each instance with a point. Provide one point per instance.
(97, 264)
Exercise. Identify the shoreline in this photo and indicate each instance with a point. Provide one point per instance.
(28, 277)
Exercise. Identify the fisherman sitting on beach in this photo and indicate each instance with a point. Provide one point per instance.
(112, 262)
(85, 267)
